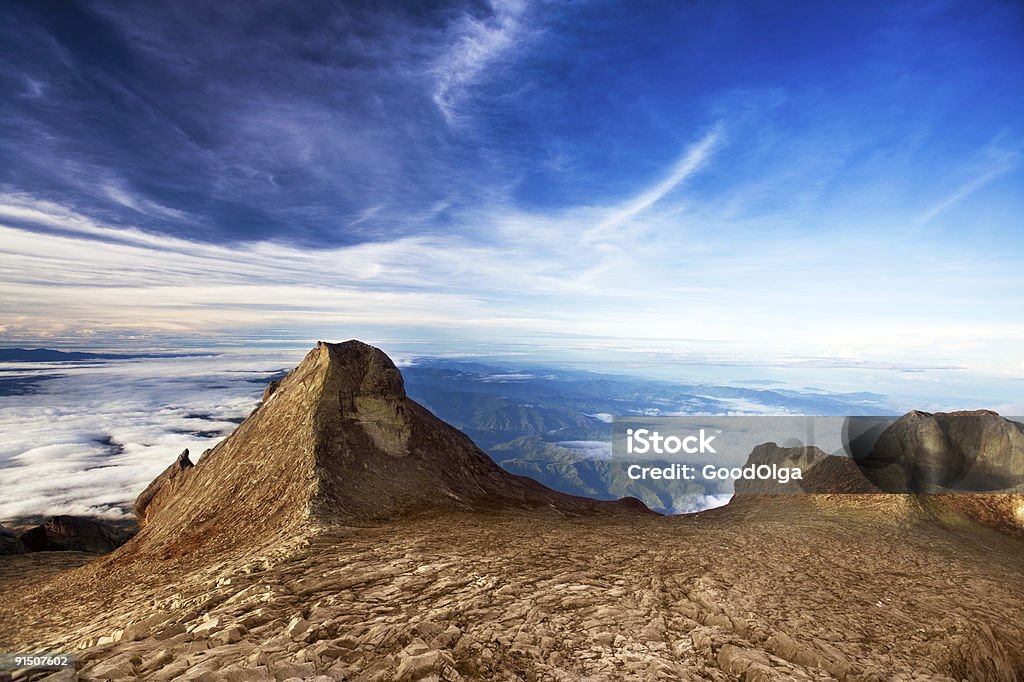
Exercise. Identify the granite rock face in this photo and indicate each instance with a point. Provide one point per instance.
(162, 488)
(820, 473)
(344, 533)
(802, 458)
(945, 465)
(964, 468)
(974, 451)
(335, 441)
(806, 590)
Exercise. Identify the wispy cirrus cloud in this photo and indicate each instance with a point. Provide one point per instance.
(690, 162)
(701, 295)
(996, 160)
(510, 171)
(477, 45)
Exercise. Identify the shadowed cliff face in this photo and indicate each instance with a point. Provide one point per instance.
(380, 454)
(9, 543)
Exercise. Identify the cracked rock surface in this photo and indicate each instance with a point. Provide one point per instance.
(806, 590)
(343, 532)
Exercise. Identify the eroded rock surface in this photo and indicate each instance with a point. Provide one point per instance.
(162, 488)
(805, 590)
(337, 440)
(344, 533)
(931, 453)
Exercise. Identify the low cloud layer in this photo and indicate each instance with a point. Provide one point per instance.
(89, 440)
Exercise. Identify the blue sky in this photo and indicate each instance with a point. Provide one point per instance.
(761, 184)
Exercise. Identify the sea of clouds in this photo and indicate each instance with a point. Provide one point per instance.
(87, 437)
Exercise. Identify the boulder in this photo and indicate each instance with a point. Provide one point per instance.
(971, 451)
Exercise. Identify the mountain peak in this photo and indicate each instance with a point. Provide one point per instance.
(335, 441)
(361, 370)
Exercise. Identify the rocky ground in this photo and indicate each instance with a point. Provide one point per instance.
(798, 589)
(343, 532)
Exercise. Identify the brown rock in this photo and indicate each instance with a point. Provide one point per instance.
(418, 666)
(111, 669)
(342, 514)
(339, 441)
(298, 628)
(163, 486)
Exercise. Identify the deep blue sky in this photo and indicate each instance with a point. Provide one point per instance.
(788, 180)
(289, 121)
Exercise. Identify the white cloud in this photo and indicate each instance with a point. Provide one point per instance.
(476, 45)
(691, 160)
(996, 161)
(691, 504)
(116, 192)
(96, 433)
(589, 449)
(644, 275)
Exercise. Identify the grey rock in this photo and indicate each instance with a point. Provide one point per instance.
(802, 458)
(921, 452)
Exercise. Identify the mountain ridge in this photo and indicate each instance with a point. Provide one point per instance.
(335, 441)
(298, 547)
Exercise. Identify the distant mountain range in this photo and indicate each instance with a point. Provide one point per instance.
(550, 424)
(50, 355)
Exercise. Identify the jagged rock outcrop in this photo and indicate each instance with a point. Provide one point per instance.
(975, 451)
(74, 533)
(802, 458)
(9, 542)
(337, 440)
(939, 464)
(269, 390)
(161, 489)
(966, 468)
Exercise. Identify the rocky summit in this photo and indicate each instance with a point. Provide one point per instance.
(975, 451)
(336, 441)
(342, 532)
